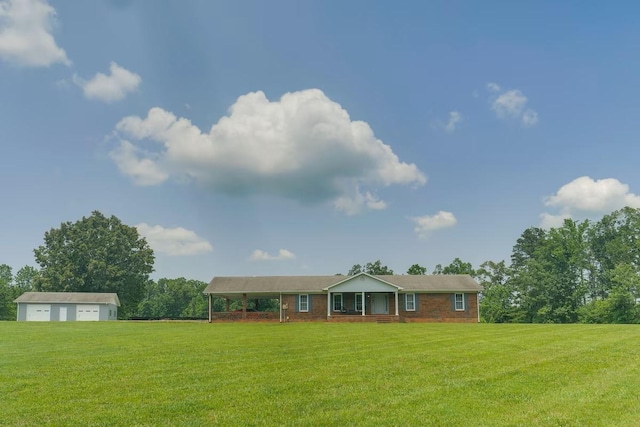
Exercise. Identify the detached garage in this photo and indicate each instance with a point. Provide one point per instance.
(67, 306)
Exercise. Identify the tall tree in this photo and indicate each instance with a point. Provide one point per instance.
(356, 269)
(7, 295)
(499, 302)
(375, 268)
(417, 270)
(458, 266)
(96, 254)
(25, 279)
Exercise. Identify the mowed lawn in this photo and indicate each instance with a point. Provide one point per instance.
(318, 374)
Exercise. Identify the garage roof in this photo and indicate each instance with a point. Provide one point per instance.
(69, 297)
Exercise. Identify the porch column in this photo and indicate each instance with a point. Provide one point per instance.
(226, 300)
(280, 307)
(363, 306)
(244, 306)
(210, 298)
(328, 304)
(396, 296)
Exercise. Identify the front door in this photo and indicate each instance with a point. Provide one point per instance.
(379, 303)
(63, 314)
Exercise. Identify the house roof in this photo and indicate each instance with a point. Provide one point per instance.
(228, 286)
(69, 297)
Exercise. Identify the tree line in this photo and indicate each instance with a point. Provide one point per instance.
(583, 271)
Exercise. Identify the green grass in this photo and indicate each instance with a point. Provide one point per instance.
(318, 374)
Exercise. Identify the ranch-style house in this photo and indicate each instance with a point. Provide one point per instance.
(67, 306)
(359, 298)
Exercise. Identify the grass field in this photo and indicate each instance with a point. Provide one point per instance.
(318, 374)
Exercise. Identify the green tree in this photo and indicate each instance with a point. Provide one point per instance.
(374, 268)
(7, 294)
(417, 270)
(551, 272)
(458, 266)
(96, 254)
(356, 269)
(25, 279)
(499, 302)
(174, 298)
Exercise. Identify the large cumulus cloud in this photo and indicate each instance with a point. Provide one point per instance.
(303, 147)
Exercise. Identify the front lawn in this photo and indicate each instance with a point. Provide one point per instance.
(318, 374)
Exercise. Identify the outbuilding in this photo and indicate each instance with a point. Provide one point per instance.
(67, 306)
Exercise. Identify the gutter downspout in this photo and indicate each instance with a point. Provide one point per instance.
(210, 298)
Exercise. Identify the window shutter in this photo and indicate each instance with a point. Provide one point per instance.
(466, 302)
(296, 303)
(309, 303)
(453, 302)
(415, 302)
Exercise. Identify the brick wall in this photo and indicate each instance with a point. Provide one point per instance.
(430, 308)
(438, 308)
(318, 309)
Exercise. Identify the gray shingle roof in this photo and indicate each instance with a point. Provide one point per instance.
(313, 284)
(69, 297)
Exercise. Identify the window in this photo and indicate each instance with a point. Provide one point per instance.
(303, 302)
(410, 302)
(459, 298)
(359, 302)
(337, 302)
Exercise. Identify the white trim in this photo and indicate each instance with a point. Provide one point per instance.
(359, 295)
(333, 302)
(306, 310)
(413, 302)
(455, 301)
(362, 274)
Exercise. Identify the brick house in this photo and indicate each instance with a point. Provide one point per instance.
(359, 298)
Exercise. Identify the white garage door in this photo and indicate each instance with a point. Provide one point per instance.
(87, 312)
(38, 312)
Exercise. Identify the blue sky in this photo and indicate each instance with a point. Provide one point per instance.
(302, 137)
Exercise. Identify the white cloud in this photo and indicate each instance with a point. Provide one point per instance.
(584, 196)
(548, 220)
(509, 104)
(25, 34)
(356, 203)
(454, 118)
(303, 147)
(428, 223)
(493, 87)
(512, 104)
(113, 87)
(529, 118)
(283, 255)
(143, 171)
(174, 241)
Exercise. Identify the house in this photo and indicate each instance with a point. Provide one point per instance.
(359, 298)
(67, 306)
